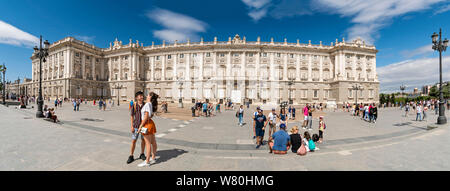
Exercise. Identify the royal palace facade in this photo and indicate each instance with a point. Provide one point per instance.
(240, 70)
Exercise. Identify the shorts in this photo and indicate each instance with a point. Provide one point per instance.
(135, 135)
(320, 134)
(259, 132)
(306, 118)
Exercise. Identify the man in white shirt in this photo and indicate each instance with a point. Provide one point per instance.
(419, 112)
(272, 122)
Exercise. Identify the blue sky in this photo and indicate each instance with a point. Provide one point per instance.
(400, 29)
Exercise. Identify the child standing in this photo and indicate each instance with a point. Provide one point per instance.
(322, 127)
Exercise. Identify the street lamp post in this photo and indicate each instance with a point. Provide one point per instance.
(440, 46)
(4, 83)
(41, 53)
(117, 87)
(356, 87)
(402, 88)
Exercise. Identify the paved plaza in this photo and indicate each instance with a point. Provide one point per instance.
(91, 139)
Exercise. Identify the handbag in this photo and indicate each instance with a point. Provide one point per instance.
(302, 150)
(144, 130)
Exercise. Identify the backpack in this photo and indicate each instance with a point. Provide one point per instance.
(324, 126)
(311, 144)
(302, 150)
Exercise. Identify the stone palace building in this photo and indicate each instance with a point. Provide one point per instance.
(237, 69)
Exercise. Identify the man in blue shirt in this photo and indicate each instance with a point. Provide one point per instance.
(280, 141)
(205, 109)
(260, 124)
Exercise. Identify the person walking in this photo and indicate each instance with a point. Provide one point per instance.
(305, 114)
(136, 120)
(310, 111)
(419, 112)
(260, 124)
(272, 122)
(293, 113)
(240, 115)
(78, 104)
(148, 129)
(104, 105)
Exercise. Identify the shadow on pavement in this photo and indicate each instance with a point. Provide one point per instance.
(165, 155)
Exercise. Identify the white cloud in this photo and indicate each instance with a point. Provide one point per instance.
(421, 51)
(443, 9)
(369, 16)
(14, 36)
(176, 26)
(412, 73)
(257, 8)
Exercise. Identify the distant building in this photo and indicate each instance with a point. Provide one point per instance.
(426, 89)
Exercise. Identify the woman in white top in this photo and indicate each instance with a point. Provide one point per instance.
(148, 130)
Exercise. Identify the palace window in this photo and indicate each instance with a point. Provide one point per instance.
(291, 55)
(208, 54)
(194, 55)
(236, 55)
(222, 55)
(250, 54)
(350, 93)
(77, 54)
(169, 56)
(278, 54)
(304, 93)
(264, 54)
(181, 55)
(87, 57)
(157, 57)
(315, 93)
(125, 58)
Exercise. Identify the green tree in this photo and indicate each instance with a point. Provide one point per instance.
(382, 99)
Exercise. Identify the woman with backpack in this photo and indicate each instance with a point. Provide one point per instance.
(322, 128)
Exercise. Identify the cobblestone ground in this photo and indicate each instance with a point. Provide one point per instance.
(100, 140)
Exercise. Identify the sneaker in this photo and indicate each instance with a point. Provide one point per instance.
(142, 156)
(309, 129)
(257, 146)
(130, 159)
(152, 161)
(304, 128)
(254, 137)
(143, 164)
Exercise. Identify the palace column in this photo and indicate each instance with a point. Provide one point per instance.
(228, 76)
(336, 66)
(374, 68)
(83, 66)
(163, 65)
(364, 67)
(214, 76)
(309, 67)
(200, 58)
(342, 63)
(285, 66)
(110, 69)
(152, 68)
(120, 68)
(272, 92)
(243, 77)
(354, 67)
(321, 68)
(297, 67)
(175, 63)
(93, 73)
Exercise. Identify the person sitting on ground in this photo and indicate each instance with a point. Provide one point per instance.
(307, 141)
(296, 139)
(51, 115)
(281, 141)
(315, 139)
